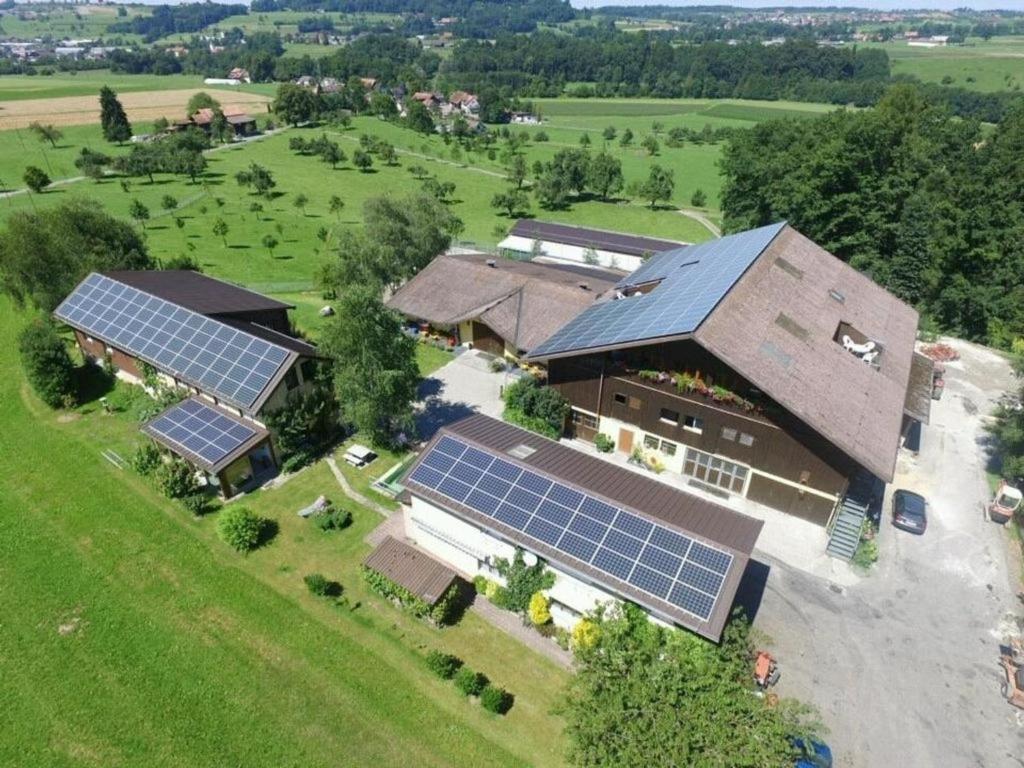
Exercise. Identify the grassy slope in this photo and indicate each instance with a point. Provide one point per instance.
(296, 258)
(89, 82)
(182, 653)
(64, 21)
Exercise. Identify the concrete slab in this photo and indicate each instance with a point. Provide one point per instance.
(465, 385)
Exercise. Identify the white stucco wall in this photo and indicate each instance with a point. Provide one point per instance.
(468, 549)
(571, 253)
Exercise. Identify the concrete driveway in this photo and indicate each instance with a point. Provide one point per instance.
(465, 385)
(902, 663)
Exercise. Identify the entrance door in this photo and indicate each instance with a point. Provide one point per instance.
(486, 340)
(625, 440)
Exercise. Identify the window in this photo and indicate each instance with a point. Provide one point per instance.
(619, 398)
(581, 419)
(655, 443)
(728, 433)
(635, 403)
(745, 439)
(720, 473)
(291, 379)
(669, 416)
(693, 424)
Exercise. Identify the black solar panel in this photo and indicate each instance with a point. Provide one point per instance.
(233, 365)
(200, 430)
(647, 556)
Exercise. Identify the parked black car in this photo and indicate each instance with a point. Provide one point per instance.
(909, 511)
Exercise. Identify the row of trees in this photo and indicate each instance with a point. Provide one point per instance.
(928, 205)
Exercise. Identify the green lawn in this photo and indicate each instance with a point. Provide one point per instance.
(132, 636)
(88, 83)
(995, 65)
(67, 21)
(20, 148)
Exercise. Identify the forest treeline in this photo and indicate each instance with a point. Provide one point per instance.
(607, 62)
(171, 19)
(929, 206)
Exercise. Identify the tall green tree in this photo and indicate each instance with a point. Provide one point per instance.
(417, 117)
(45, 253)
(604, 175)
(295, 104)
(113, 119)
(48, 133)
(643, 695)
(658, 186)
(36, 179)
(375, 372)
(47, 364)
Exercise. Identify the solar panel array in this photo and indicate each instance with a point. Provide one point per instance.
(200, 430)
(693, 280)
(231, 364)
(652, 558)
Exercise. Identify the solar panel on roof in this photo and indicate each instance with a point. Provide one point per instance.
(645, 555)
(233, 365)
(679, 303)
(200, 430)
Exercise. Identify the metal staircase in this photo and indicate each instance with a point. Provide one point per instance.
(846, 526)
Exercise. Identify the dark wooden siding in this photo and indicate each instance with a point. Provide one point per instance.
(782, 445)
(97, 350)
(486, 340)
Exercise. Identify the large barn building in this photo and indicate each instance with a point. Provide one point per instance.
(229, 348)
(757, 365)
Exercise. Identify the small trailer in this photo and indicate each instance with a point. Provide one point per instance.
(1005, 503)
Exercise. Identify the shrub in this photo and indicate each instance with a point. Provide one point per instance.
(296, 461)
(497, 365)
(699, 199)
(540, 136)
(496, 700)
(240, 528)
(176, 479)
(539, 609)
(470, 683)
(603, 443)
(444, 665)
(539, 409)
(585, 635)
(317, 584)
(36, 179)
(333, 519)
(194, 503)
(867, 548)
(480, 584)
(47, 364)
(146, 459)
(522, 581)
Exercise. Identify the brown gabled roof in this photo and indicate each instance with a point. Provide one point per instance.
(659, 502)
(542, 297)
(412, 569)
(776, 328)
(198, 292)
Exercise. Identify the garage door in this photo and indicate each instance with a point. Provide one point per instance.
(486, 340)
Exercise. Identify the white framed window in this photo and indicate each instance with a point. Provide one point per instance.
(728, 433)
(652, 442)
(693, 424)
(712, 470)
(656, 443)
(745, 439)
(669, 416)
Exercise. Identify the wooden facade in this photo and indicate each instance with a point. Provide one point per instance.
(793, 469)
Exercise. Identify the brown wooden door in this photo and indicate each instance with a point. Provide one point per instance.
(625, 440)
(486, 340)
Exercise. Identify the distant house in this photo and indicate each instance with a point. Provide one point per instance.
(308, 81)
(581, 245)
(178, 51)
(369, 83)
(757, 366)
(500, 306)
(221, 81)
(935, 41)
(240, 121)
(523, 118)
(240, 74)
(466, 102)
(483, 489)
(330, 85)
(228, 349)
(431, 101)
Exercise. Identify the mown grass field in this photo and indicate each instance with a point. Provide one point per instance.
(67, 21)
(132, 636)
(993, 65)
(89, 82)
(286, 22)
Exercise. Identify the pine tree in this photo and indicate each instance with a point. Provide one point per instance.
(112, 117)
(912, 256)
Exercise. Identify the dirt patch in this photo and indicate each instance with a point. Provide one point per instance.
(141, 106)
(71, 623)
(67, 417)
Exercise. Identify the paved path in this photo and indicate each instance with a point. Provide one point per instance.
(703, 220)
(512, 624)
(351, 492)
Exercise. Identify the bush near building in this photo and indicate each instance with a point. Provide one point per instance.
(444, 665)
(442, 613)
(536, 408)
(47, 364)
(240, 528)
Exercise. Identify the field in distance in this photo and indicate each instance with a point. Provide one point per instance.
(139, 105)
(979, 65)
